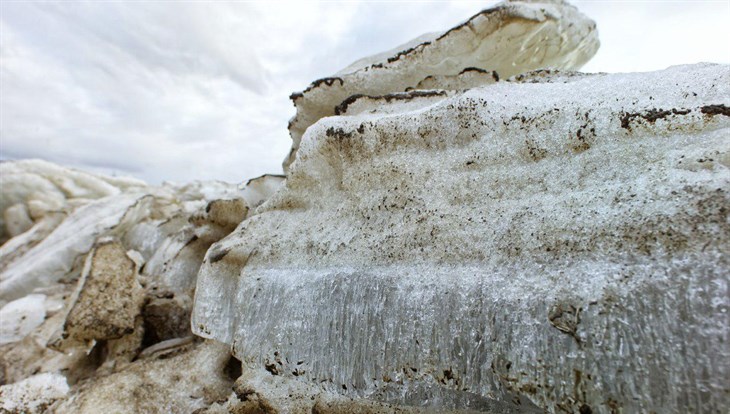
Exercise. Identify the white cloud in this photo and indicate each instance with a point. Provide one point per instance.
(639, 36)
(199, 90)
(144, 89)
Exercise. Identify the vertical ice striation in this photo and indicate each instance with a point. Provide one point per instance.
(560, 238)
(469, 226)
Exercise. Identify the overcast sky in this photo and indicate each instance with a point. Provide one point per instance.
(199, 90)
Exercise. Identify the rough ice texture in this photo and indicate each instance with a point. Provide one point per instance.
(565, 242)
(152, 220)
(99, 294)
(511, 38)
(32, 395)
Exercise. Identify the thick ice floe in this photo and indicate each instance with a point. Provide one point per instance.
(467, 228)
(509, 39)
(549, 240)
(33, 395)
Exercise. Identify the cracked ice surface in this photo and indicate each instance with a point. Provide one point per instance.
(564, 242)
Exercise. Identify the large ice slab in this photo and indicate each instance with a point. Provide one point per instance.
(563, 241)
(511, 38)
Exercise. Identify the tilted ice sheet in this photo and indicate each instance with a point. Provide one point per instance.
(67, 210)
(38, 187)
(511, 38)
(55, 256)
(566, 242)
(111, 284)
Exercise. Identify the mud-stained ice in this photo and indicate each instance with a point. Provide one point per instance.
(33, 395)
(511, 38)
(564, 242)
(259, 189)
(466, 225)
(102, 283)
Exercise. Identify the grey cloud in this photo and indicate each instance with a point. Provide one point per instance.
(199, 90)
(142, 89)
